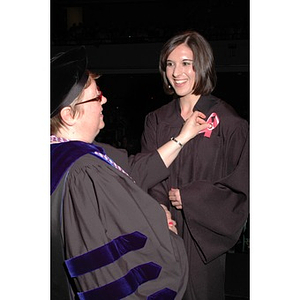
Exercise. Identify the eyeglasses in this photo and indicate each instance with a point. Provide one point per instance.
(98, 98)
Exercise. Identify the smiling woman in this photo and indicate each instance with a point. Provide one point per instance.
(182, 49)
(180, 72)
(207, 191)
(85, 122)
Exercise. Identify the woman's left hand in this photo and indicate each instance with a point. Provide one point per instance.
(175, 198)
(170, 221)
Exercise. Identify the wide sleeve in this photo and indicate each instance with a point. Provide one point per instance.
(215, 212)
(115, 238)
(215, 205)
(149, 143)
(146, 169)
(84, 222)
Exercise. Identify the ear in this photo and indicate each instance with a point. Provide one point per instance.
(67, 116)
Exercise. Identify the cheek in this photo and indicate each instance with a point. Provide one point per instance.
(191, 73)
(168, 73)
(192, 76)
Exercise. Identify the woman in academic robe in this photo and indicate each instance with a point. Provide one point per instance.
(207, 191)
(109, 238)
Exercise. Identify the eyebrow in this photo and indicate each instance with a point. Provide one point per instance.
(185, 59)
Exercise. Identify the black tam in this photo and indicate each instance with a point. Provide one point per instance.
(68, 77)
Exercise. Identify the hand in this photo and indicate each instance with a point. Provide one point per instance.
(175, 198)
(170, 221)
(193, 125)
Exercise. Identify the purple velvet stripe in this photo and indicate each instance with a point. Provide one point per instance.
(63, 155)
(165, 294)
(106, 254)
(124, 286)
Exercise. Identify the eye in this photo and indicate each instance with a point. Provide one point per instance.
(170, 64)
(187, 62)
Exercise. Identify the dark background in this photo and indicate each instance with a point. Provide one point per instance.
(123, 39)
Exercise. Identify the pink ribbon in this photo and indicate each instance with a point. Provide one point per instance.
(213, 121)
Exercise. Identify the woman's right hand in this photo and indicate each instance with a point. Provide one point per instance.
(192, 126)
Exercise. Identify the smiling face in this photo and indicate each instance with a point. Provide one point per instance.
(180, 71)
(90, 118)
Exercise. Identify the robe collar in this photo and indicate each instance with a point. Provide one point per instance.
(64, 154)
(204, 104)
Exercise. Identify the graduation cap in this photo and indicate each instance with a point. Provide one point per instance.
(68, 77)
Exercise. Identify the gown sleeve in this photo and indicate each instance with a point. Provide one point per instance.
(147, 169)
(102, 204)
(148, 144)
(84, 228)
(214, 210)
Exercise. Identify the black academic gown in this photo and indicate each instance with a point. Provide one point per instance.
(114, 237)
(212, 175)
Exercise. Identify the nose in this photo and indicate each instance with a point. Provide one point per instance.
(177, 70)
(103, 100)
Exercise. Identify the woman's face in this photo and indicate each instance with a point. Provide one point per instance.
(180, 71)
(90, 120)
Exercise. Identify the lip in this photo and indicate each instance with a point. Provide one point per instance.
(179, 82)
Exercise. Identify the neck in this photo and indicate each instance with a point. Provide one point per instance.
(187, 105)
(71, 135)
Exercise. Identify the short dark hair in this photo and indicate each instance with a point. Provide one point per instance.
(204, 65)
(56, 121)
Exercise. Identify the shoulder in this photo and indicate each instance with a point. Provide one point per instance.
(111, 150)
(87, 162)
(230, 123)
(120, 156)
(228, 115)
(165, 111)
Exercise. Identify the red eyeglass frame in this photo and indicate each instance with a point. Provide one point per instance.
(98, 98)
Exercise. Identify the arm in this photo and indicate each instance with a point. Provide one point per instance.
(169, 151)
(148, 169)
(215, 212)
(149, 143)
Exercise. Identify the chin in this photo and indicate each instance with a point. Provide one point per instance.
(102, 125)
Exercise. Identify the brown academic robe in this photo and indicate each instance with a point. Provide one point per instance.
(212, 175)
(101, 204)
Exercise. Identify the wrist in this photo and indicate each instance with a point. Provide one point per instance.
(183, 139)
(177, 141)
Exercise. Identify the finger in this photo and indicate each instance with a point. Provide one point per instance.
(172, 223)
(174, 229)
(168, 214)
(203, 126)
(171, 194)
(174, 191)
(176, 203)
(201, 121)
(164, 207)
(200, 114)
(173, 203)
